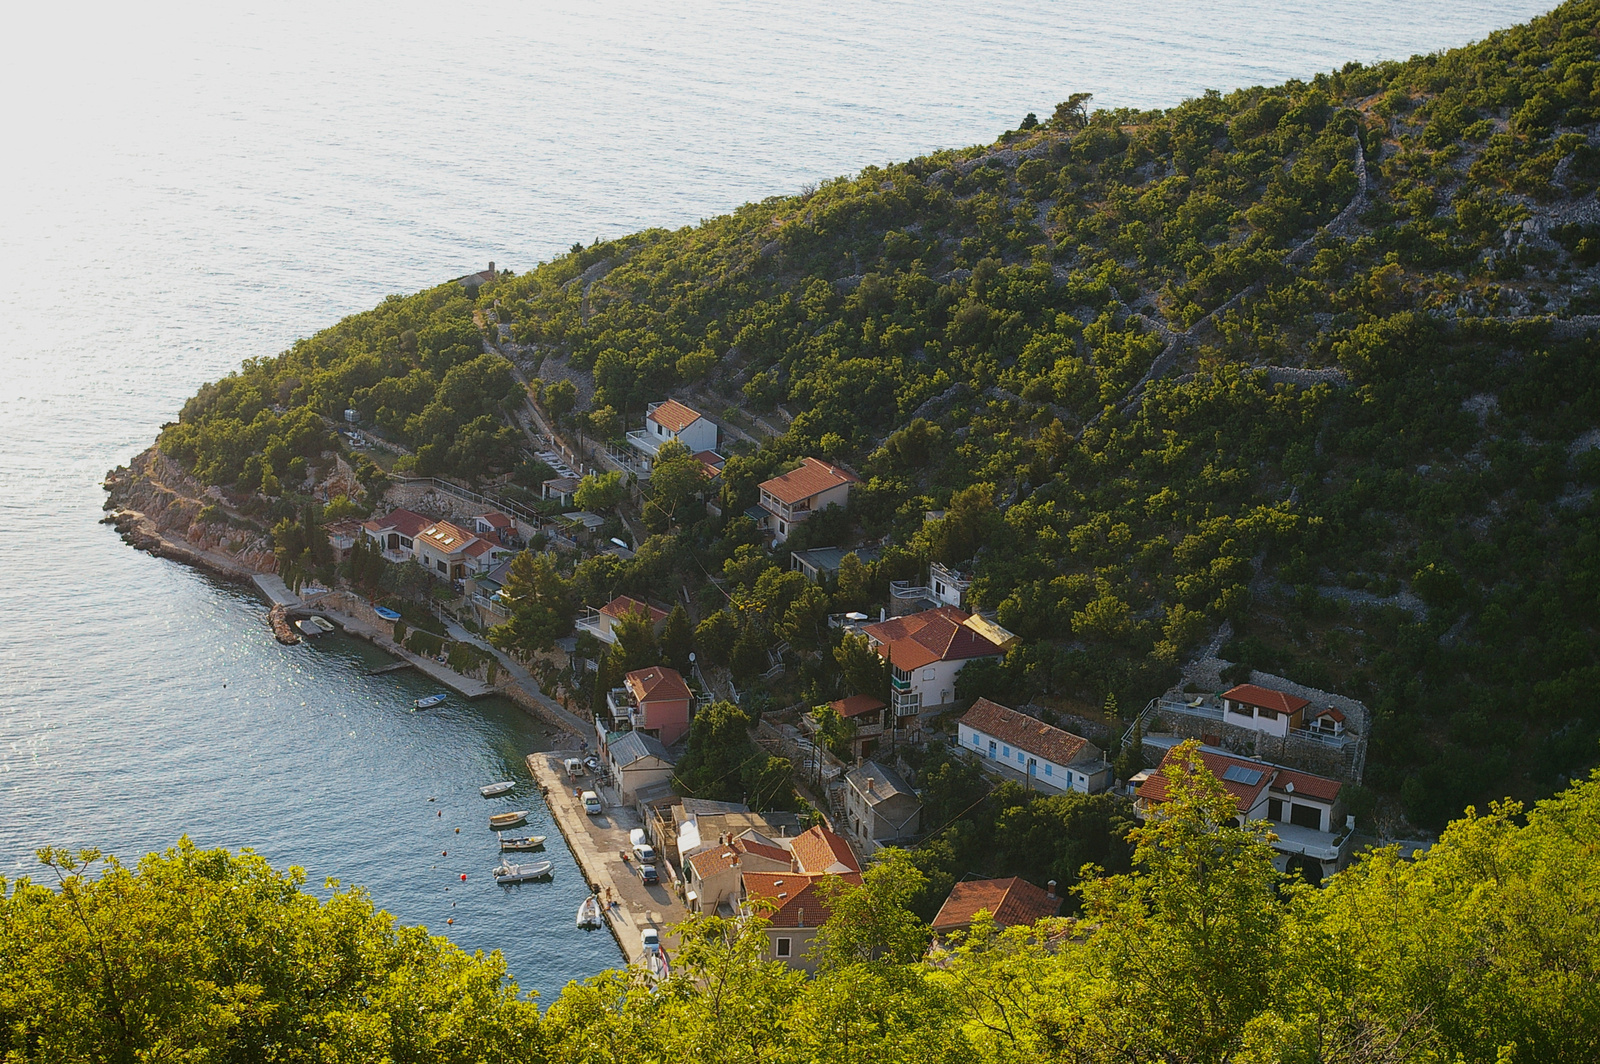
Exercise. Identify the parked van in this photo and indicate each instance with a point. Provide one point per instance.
(591, 803)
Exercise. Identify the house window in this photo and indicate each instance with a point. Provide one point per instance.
(441, 566)
(991, 747)
(1047, 771)
(1006, 750)
(1274, 809)
(782, 947)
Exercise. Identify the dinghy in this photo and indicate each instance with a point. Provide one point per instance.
(430, 701)
(494, 790)
(508, 820)
(386, 614)
(589, 912)
(522, 873)
(307, 628)
(528, 842)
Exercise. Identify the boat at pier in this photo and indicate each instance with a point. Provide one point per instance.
(520, 873)
(589, 912)
(527, 842)
(494, 790)
(508, 820)
(430, 701)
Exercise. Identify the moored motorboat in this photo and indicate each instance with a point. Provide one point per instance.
(589, 912)
(522, 873)
(386, 614)
(508, 820)
(494, 790)
(322, 623)
(308, 629)
(430, 701)
(527, 842)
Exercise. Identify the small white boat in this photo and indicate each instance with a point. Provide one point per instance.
(430, 701)
(508, 820)
(522, 873)
(589, 912)
(311, 629)
(494, 790)
(529, 842)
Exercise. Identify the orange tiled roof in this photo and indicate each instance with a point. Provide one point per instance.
(623, 604)
(1025, 732)
(1245, 791)
(1251, 695)
(447, 537)
(817, 850)
(795, 894)
(1010, 901)
(495, 519)
(856, 705)
(920, 639)
(812, 478)
(404, 522)
(673, 416)
(657, 684)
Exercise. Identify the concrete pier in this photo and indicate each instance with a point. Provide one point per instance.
(272, 586)
(597, 843)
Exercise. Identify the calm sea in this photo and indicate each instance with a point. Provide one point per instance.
(187, 185)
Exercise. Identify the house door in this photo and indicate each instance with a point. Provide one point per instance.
(991, 747)
(1033, 767)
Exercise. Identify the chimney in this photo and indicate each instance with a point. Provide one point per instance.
(491, 267)
(802, 916)
(883, 615)
(1050, 890)
(870, 782)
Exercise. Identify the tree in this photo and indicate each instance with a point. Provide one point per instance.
(677, 639)
(205, 955)
(636, 646)
(749, 657)
(676, 479)
(560, 398)
(747, 565)
(599, 491)
(833, 730)
(715, 637)
(805, 623)
(855, 584)
(1073, 112)
(541, 603)
(716, 754)
(865, 673)
(872, 920)
(1130, 760)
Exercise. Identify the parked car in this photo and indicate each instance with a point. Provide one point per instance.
(647, 872)
(650, 939)
(642, 849)
(591, 803)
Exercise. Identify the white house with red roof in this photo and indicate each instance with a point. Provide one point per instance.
(712, 876)
(1263, 709)
(672, 420)
(791, 498)
(1046, 756)
(449, 551)
(789, 900)
(1305, 811)
(395, 533)
(926, 650)
(601, 623)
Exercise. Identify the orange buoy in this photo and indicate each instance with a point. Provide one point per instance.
(458, 831)
(463, 877)
(451, 920)
(444, 853)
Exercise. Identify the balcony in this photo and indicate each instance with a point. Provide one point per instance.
(596, 624)
(644, 442)
(899, 682)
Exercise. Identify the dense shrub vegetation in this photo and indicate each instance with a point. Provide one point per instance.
(1162, 370)
(1483, 951)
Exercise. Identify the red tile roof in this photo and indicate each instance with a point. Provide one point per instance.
(673, 416)
(1027, 733)
(817, 850)
(710, 862)
(657, 684)
(1251, 695)
(856, 705)
(1332, 712)
(920, 639)
(447, 537)
(495, 519)
(812, 478)
(623, 604)
(795, 895)
(404, 522)
(1010, 901)
(762, 849)
(480, 546)
(1244, 791)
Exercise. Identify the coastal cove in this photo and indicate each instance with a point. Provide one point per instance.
(166, 238)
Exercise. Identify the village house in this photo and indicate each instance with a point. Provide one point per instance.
(792, 497)
(926, 650)
(561, 489)
(1044, 756)
(881, 809)
(395, 533)
(820, 565)
(711, 877)
(655, 701)
(342, 536)
(867, 716)
(789, 900)
(447, 550)
(495, 525)
(601, 623)
(1305, 810)
(1264, 710)
(691, 825)
(637, 761)
(1010, 902)
(672, 420)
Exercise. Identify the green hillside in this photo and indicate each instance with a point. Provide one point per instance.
(1315, 360)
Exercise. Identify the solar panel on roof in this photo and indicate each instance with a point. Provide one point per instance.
(1239, 774)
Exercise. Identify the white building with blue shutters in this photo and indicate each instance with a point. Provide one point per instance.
(1045, 756)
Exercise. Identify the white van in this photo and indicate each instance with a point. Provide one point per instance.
(591, 803)
(641, 846)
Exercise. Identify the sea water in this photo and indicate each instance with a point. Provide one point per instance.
(187, 185)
